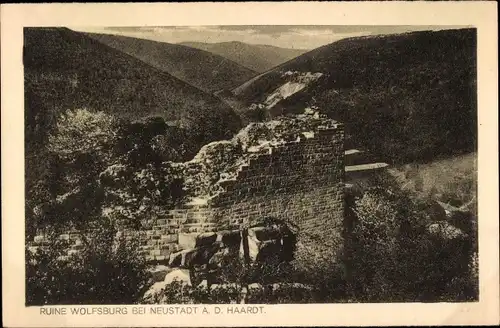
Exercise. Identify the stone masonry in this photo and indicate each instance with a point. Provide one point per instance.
(296, 175)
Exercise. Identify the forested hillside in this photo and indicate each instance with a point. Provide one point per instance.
(408, 97)
(66, 70)
(205, 70)
(258, 57)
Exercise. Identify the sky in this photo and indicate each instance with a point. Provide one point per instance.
(296, 37)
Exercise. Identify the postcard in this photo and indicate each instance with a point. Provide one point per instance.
(250, 164)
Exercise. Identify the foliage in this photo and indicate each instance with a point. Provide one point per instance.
(78, 150)
(404, 123)
(81, 133)
(68, 69)
(105, 271)
(207, 126)
(392, 255)
(284, 293)
(255, 113)
(65, 150)
(231, 293)
(99, 165)
(327, 279)
(202, 69)
(135, 194)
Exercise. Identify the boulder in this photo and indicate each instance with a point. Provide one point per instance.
(180, 275)
(293, 285)
(40, 240)
(263, 242)
(203, 284)
(233, 286)
(229, 238)
(205, 239)
(255, 287)
(159, 272)
(187, 240)
(182, 258)
(265, 233)
(153, 293)
(202, 255)
(192, 240)
(218, 257)
(253, 248)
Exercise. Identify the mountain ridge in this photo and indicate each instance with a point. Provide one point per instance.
(202, 69)
(257, 57)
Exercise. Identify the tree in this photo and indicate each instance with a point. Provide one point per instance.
(81, 133)
(80, 147)
(208, 126)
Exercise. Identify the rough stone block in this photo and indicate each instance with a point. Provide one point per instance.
(173, 238)
(264, 233)
(205, 239)
(229, 238)
(187, 240)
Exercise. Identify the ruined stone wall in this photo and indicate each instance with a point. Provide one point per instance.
(300, 182)
(298, 178)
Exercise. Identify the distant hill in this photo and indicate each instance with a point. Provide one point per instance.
(202, 69)
(405, 97)
(259, 58)
(67, 70)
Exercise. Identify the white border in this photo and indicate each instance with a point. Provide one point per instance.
(475, 13)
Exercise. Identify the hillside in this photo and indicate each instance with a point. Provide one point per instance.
(406, 97)
(451, 180)
(67, 70)
(259, 58)
(204, 70)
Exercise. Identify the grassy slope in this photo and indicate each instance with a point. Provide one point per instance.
(202, 69)
(452, 180)
(407, 97)
(259, 58)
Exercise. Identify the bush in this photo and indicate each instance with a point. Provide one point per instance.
(393, 257)
(105, 271)
(285, 293)
(233, 293)
(318, 268)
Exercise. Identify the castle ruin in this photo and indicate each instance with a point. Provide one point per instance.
(290, 169)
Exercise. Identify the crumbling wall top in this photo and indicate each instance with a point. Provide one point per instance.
(221, 161)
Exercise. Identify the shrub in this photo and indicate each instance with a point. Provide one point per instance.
(233, 293)
(393, 257)
(105, 271)
(134, 195)
(284, 293)
(318, 269)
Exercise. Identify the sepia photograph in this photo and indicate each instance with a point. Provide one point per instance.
(250, 164)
